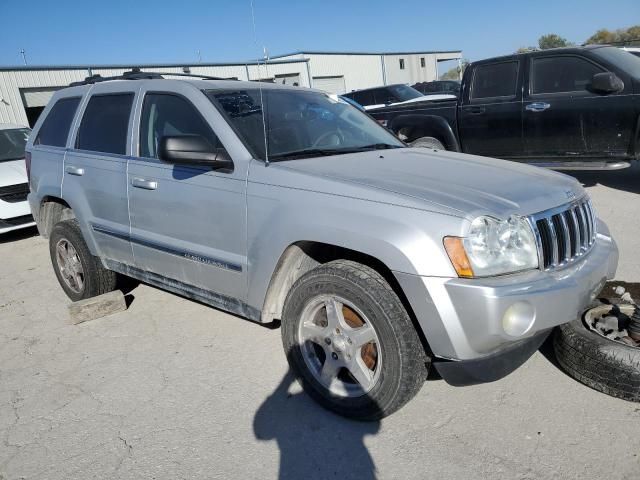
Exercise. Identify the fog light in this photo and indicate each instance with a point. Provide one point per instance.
(518, 319)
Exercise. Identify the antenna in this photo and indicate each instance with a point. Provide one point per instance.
(24, 55)
(264, 123)
(199, 56)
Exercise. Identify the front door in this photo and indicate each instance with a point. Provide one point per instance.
(188, 223)
(565, 120)
(490, 119)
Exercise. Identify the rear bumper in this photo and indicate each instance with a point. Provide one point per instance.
(492, 367)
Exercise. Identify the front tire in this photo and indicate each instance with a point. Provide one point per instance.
(351, 343)
(80, 274)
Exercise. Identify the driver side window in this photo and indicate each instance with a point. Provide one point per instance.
(168, 114)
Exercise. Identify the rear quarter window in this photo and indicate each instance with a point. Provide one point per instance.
(55, 128)
(105, 124)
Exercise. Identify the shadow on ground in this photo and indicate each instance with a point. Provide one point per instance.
(313, 442)
(627, 179)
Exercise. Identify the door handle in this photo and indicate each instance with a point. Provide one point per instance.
(71, 170)
(145, 184)
(476, 111)
(538, 106)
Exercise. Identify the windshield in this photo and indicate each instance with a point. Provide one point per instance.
(624, 60)
(299, 123)
(405, 92)
(12, 143)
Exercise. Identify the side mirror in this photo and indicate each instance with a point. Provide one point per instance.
(606, 82)
(192, 150)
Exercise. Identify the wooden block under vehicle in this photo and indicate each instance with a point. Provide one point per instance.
(97, 307)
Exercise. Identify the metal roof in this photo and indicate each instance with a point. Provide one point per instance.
(318, 52)
(149, 65)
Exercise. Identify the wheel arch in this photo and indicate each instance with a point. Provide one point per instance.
(300, 257)
(418, 126)
(52, 210)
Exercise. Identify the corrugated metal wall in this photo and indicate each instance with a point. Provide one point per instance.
(359, 71)
(12, 82)
(366, 70)
(413, 71)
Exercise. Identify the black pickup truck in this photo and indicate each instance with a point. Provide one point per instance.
(563, 108)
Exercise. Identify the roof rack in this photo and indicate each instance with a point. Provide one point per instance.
(137, 74)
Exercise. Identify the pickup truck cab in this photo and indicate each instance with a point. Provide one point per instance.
(282, 203)
(565, 108)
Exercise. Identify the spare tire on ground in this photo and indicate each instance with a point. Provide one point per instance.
(608, 366)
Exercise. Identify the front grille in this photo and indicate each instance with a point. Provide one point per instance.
(564, 234)
(14, 193)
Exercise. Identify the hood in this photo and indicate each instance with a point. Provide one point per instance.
(13, 172)
(456, 183)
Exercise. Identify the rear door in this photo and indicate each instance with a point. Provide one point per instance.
(188, 222)
(564, 119)
(49, 146)
(95, 169)
(490, 118)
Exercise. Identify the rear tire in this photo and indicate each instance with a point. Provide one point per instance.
(428, 142)
(375, 336)
(80, 274)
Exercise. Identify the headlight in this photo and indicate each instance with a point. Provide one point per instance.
(493, 247)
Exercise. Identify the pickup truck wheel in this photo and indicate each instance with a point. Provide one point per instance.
(428, 142)
(605, 365)
(350, 341)
(81, 275)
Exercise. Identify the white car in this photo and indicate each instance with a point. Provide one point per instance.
(14, 186)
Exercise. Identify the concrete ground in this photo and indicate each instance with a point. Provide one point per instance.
(172, 389)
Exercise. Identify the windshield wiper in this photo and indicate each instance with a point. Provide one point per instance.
(325, 152)
(306, 152)
(376, 146)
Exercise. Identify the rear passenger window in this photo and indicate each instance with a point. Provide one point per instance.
(55, 128)
(167, 115)
(562, 74)
(105, 124)
(495, 80)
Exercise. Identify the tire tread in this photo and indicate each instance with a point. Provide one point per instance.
(597, 362)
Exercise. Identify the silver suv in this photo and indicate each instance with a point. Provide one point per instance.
(285, 203)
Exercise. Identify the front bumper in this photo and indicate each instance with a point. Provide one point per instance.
(15, 215)
(492, 367)
(462, 319)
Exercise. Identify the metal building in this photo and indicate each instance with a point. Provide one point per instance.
(340, 72)
(25, 90)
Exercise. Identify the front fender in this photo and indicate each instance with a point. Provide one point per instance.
(404, 239)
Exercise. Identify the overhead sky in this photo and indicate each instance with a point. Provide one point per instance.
(145, 31)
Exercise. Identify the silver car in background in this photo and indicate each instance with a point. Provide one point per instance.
(283, 203)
